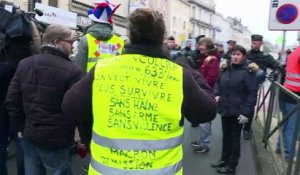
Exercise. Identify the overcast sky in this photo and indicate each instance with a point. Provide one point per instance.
(255, 15)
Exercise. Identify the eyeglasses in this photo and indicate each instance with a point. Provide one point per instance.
(69, 41)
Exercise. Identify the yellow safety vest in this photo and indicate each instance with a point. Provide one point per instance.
(136, 114)
(102, 49)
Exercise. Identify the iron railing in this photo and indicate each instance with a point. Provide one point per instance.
(268, 111)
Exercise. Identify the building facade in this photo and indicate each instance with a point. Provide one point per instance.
(179, 20)
(81, 7)
(246, 38)
(201, 17)
(240, 33)
(222, 31)
(183, 18)
(231, 29)
(163, 7)
(175, 17)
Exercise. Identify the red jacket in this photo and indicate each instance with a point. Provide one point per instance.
(209, 68)
(292, 79)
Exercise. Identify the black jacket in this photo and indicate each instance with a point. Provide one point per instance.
(227, 55)
(7, 70)
(194, 59)
(35, 95)
(186, 52)
(198, 104)
(237, 88)
(6, 73)
(263, 60)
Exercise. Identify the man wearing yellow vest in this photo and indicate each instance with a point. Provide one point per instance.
(132, 105)
(99, 42)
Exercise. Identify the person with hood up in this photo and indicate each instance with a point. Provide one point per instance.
(99, 41)
(236, 97)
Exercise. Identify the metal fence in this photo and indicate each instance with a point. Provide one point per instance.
(269, 113)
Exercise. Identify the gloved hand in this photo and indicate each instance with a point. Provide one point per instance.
(191, 61)
(179, 54)
(273, 75)
(243, 119)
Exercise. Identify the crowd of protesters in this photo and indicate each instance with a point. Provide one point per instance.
(44, 97)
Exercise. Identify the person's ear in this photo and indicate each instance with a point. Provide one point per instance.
(56, 42)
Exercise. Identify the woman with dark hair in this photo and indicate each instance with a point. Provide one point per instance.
(237, 95)
(209, 68)
(209, 63)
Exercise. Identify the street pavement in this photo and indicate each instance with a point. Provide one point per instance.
(194, 164)
(199, 164)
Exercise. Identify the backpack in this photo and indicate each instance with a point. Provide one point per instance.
(19, 26)
(13, 25)
(4, 18)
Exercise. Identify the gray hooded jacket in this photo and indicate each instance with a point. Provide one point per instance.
(100, 31)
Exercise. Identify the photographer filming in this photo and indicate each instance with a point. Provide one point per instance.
(16, 38)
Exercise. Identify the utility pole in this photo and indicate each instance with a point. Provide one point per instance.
(129, 3)
(31, 4)
(298, 37)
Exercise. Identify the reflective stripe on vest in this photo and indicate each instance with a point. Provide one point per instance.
(136, 114)
(102, 49)
(106, 170)
(130, 144)
(293, 83)
(292, 80)
(292, 75)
